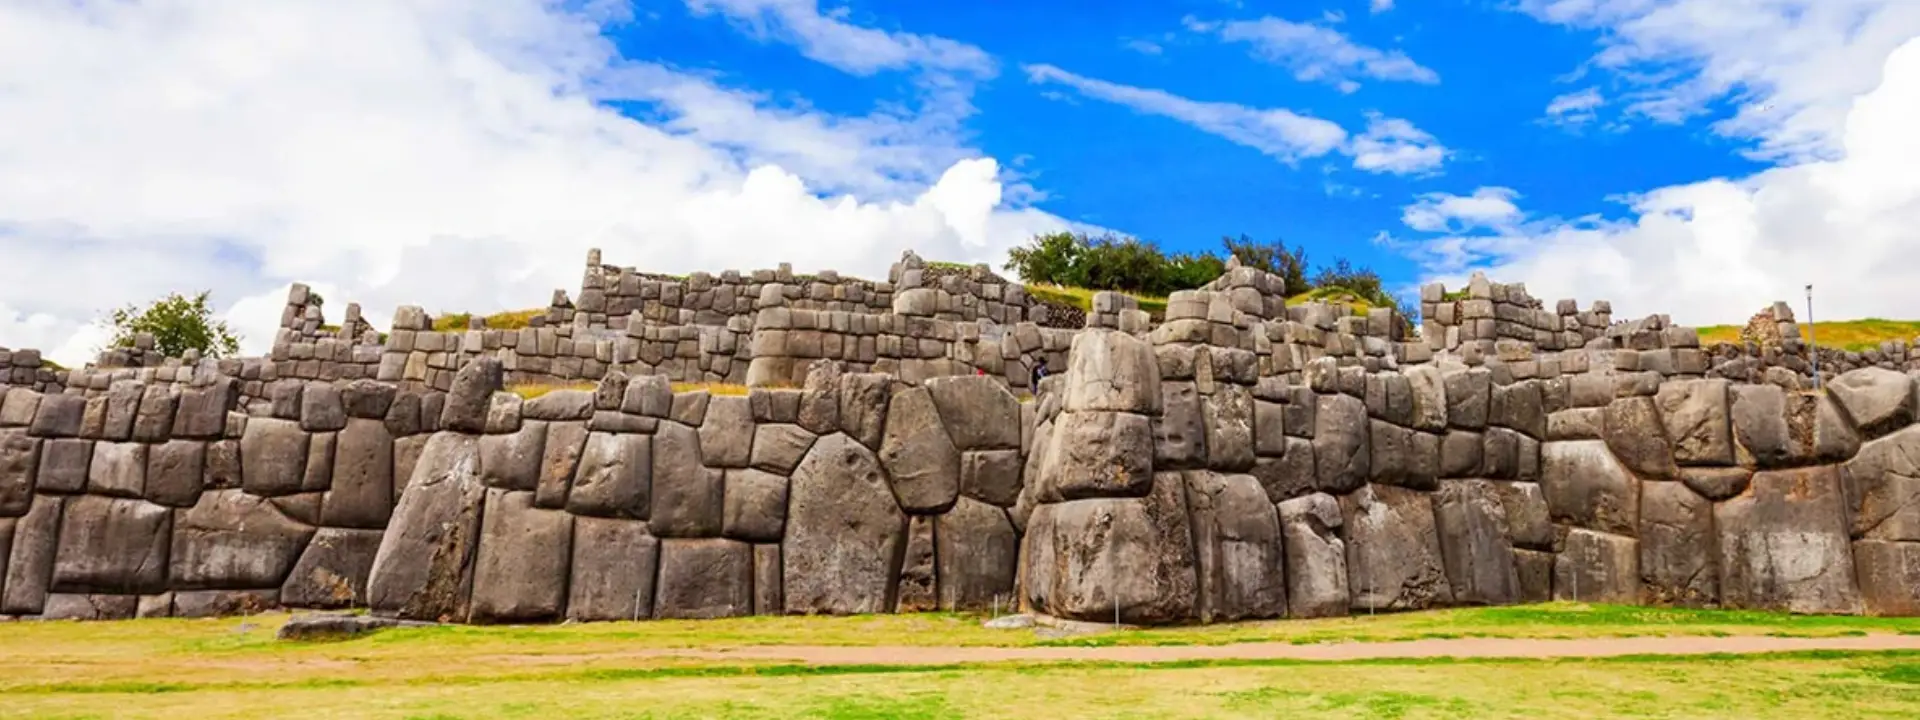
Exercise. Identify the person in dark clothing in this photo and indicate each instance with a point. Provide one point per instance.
(1039, 371)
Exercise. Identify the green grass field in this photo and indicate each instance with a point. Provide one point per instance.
(1851, 335)
(234, 668)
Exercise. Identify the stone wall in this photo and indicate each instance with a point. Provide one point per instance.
(1155, 480)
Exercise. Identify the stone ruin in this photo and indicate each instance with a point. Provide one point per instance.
(1234, 458)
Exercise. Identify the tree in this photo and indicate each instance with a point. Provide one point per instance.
(1273, 257)
(178, 323)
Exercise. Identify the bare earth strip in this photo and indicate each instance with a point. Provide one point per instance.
(1432, 648)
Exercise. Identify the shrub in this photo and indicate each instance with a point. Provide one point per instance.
(178, 323)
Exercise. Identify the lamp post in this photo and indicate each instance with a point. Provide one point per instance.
(1813, 347)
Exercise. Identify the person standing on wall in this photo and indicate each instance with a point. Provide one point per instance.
(1039, 371)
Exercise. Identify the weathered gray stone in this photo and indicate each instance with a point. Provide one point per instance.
(513, 461)
(320, 452)
(1471, 521)
(615, 477)
(503, 413)
(403, 417)
(18, 406)
(1111, 371)
(303, 508)
(363, 398)
(1291, 474)
(424, 569)
(1229, 422)
(1534, 571)
(123, 407)
(1587, 487)
(559, 462)
(332, 571)
(231, 540)
(1695, 414)
(1775, 429)
(845, 532)
(321, 409)
(1180, 432)
(1676, 547)
(1878, 400)
(118, 469)
(690, 408)
(689, 500)
(1469, 394)
(80, 606)
(726, 438)
(1237, 546)
(1342, 443)
(559, 405)
(919, 589)
(29, 568)
(1393, 553)
(223, 465)
(1429, 394)
(1888, 573)
(1783, 545)
(520, 572)
(1500, 457)
(707, 578)
(768, 596)
(1097, 454)
(60, 416)
(155, 606)
(1635, 434)
(1462, 454)
(273, 457)
(991, 476)
(615, 563)
(778, 447)
(176, 472)
(977, 411)
(1883, 487)
(1716, 484)
(1269, 428)
(19, 463)
(112, 545)
(361, 493)
(222, 603)
(63, 467)
(1316, 556)
(1136, 553)
(648, 395)
(756, 506)
(864, 399)
(919, 456)
(465, 407)
(1576, 424)
(977, 555)
(1519, 407)
(1529, 523)
(1597, 567)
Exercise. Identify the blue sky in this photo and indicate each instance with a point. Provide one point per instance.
(1494, 71)
(1701, 158)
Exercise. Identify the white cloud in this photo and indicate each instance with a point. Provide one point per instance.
(1283, 134)
(1791, 67)
(1393, 145)
(1717, 250)
(1487, 207)
(855, 49)
(1575, 109)
(1144, 47)
(1380, 6)
(1318, 54)
(454, 155)
(1389, 145)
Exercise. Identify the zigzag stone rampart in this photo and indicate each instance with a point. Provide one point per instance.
(1236, 458)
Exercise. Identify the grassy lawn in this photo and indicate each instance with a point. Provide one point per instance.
(1083, 298)
(1852, 335)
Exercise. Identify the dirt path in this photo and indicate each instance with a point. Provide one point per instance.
(1455, 648)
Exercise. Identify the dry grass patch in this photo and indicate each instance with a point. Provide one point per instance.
(1082, 298)
(1849, 335)
(509, 320)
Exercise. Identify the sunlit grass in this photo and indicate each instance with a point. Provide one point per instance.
(509, 320)
(1850, 335)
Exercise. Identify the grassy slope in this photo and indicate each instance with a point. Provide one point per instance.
(233, 668)
(1853, 335)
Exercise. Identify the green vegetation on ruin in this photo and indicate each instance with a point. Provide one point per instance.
(509, 320)
(1849, 335)
(234, 668)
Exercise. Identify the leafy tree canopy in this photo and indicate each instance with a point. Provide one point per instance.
(1137, 266)
(178, 323)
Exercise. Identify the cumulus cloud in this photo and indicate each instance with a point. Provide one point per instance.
(1380, 6)
(1575, 109)
(1717, 250)
(1389, 145)
(1318, 54)
(1790, 67)
(1487, 207)
(460, 156)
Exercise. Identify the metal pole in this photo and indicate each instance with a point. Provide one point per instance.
(1813, 347)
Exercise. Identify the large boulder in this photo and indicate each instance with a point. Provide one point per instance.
(332, 571)
(1289, 475)
(1469, 394)
(63, 469)
(1237, 543)
(1696, 415)
(273, 457)
(520, 573)
(778, 447)
(1587, 487)
(1597, 567)
(234, 541)
(1112, 371)
(1393, 551)
(614, 565)
(424, 568)
(1229, 423)
(362, 492)
(176, 472)
(1878, 400)
(112, 545)
(1635, 434)
(19, 458)
(756, 506)
(919, 589)
(977, 411)
(1097, 454)
(918, 454)
(30, 560)
(845, 532)
(1134, 553)
(726, 433)
(559, 460)
(1889, 572)
(615, 477)
(118, 469)
(1784, 547)
(1342, 443)
(864, 398)
(467, 401)
(1180, 432)
(1776, 429)
(706, 578)
(1316, 556)
(992, 476)
(1676, 547)
(976, 553)
(1471, 522)
(1528, 521)
(1883, 485)
(689, 499)
(512, 461)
